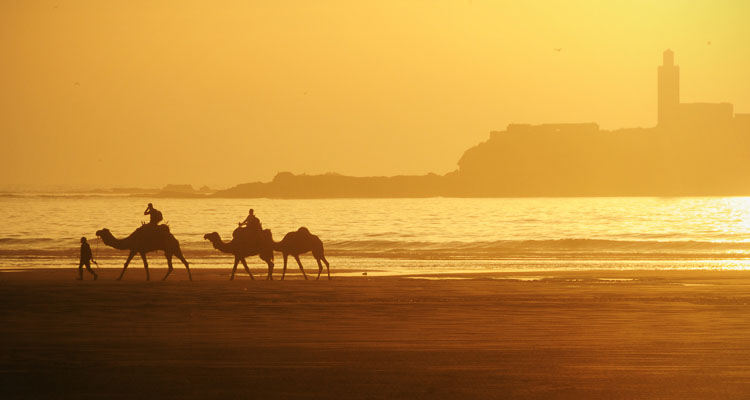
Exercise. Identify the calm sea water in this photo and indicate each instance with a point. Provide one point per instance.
(437, 233)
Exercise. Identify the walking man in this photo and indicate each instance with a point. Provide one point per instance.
(86, 259)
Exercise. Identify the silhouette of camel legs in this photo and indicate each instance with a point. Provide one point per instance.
(283, 273)
(127, 262)
(244, 264)
(320, 267)
(169, 264)
(238, 260)
(270, 270)
(234, 267)
(130, 257)
(300, 267)
(145, 265)
(185, 263)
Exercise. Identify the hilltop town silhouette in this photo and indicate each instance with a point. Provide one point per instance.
(695, 149)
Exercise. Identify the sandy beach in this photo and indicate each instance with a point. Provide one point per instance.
(562, 335)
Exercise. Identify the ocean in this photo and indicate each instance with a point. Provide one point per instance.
(392, 236)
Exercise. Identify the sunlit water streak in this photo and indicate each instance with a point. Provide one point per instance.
(391, 234)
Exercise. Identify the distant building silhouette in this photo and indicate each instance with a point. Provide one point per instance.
(704, 118)
(742, 123)
(680, 117)
(668, 91)
(696, 149)
(684, 119)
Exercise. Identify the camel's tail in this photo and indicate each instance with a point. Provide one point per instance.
(318, 250)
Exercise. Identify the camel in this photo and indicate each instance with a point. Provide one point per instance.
(145, 239)
(299, 242)
(245, 244)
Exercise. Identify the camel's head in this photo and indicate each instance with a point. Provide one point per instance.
(211, 236)
(101, 232)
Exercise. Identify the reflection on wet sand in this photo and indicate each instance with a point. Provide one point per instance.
(571, 335)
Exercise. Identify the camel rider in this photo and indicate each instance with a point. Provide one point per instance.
(252, 222)
(155, 214)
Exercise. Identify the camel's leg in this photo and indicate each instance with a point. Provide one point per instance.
(283, 273)
(318, 254)
(130, 257)
(244, 264)
(234, 268)
(320, 268)
(300, 266)
(145, 265)
(269, 277)
(169, 265)
(178, 254)
(328, 267)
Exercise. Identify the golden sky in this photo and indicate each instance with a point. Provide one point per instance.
(224, 92)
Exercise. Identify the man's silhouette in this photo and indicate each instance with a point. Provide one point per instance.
(252, 222)
(155, 214)
(86, 259)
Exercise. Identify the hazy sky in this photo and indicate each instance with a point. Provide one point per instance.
(224, 92)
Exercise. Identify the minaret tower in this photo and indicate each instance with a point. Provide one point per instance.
(668, 91)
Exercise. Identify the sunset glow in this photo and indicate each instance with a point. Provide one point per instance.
(383, 199)
(332, 86)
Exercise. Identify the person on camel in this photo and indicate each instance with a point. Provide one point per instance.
(86, 259)
(155, 214)
(252, 222)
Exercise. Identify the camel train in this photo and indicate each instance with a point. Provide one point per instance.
(293, 244)
(249, 239)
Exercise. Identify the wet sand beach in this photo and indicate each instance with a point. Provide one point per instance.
(559, 335)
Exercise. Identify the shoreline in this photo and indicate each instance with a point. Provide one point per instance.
(525, 335)
(493, 269)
